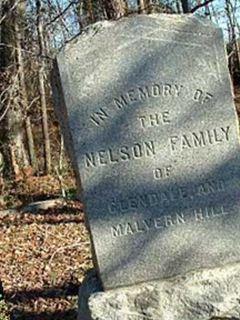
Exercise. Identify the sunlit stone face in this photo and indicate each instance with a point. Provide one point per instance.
(146, 108)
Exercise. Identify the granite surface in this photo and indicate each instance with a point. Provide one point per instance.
(147, 112)
(211, 294)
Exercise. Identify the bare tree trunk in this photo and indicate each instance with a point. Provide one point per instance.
(121, 8)
(18, 152)
(238, 52)
(23, 94)
(12, 126)
(42, 91)
(91, 11)
(144, 6)
(108, 9)
(233, 42)
(185, 6)
(179, 7)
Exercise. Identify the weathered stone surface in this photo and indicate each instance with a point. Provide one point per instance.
(203, 295)
(149, 119)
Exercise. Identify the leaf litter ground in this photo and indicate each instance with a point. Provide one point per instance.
(43, 259)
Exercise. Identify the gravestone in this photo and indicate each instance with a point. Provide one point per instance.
(146, 107)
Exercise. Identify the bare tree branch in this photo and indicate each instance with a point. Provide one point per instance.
(200, 6)
(61, 13)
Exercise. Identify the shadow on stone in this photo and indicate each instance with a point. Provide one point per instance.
(90, 285)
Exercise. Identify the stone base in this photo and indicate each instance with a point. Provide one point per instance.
(204, 295)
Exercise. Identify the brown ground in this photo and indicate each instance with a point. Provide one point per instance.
(43, 257)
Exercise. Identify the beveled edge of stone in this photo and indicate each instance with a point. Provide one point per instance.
(61, 113)
(100, 26)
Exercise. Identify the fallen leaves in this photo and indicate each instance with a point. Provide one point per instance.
(43, 259)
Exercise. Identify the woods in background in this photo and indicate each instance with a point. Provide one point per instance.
(31, 33)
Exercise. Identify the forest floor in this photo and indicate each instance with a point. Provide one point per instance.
(45, 255)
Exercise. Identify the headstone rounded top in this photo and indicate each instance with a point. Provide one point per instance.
(194, 24)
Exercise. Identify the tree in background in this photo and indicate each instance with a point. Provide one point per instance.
(233, 41)
(14, 99)
(42, 91)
